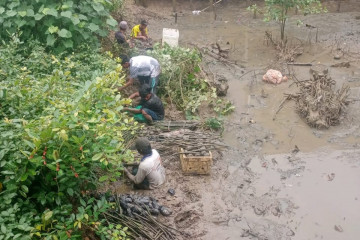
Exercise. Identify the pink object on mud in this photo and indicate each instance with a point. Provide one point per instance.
(274, 76)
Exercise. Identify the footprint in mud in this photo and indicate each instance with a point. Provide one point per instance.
(186, 219)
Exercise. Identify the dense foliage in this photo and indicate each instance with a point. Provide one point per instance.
(182, 83)
(60, 123)
(59, 24)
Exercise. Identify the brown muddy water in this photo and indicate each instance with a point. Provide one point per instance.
(263, 188)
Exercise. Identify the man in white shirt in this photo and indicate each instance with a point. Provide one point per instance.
(144, 68)
(150, 173)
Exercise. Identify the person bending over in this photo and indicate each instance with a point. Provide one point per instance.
(144, 68)
(150, 173)
(151, 106)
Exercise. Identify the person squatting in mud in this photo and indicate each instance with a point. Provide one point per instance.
(140, 31)
(144, 68)
(150, 173)
(120, 35)
(151, 107)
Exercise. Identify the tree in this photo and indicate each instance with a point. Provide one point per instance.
(278, 10)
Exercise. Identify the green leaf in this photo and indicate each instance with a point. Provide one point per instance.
(82, 202)
(7, 172)
(70, 191)
(50, 40)
(64, 33)
(53, 29)
(2, 153)
(30, 12)
(66, 14)
(103, 178)
(112, 22)
(93, 27)
(24, 177)
(51, 167)
(48, 215)
(3, 228)
(38, 16)
(2, 10)
(98, 7)
(68, 43)
(11, 13)
(30, 144)
(22, 13)
(50, 11)
(22, 194)
(65, 7)
(97, 156)
(75, 20)
(32, 172)
(25, 188)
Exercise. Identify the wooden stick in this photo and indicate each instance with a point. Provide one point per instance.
(281, 105)
(300, 64)
(210, 5)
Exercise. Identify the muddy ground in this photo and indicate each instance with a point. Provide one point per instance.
(262, 187)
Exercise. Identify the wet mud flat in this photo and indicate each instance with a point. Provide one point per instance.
(280, 179)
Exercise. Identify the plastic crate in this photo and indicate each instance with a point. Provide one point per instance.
(195, 164)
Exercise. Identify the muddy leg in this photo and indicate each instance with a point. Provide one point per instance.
(147, 116)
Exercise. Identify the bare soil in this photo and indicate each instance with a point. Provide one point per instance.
(280, 179)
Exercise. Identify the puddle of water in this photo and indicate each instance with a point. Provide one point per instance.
(322, 202)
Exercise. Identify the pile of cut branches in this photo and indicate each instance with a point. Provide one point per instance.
(197, 143)
(139, 221)
(319, 103)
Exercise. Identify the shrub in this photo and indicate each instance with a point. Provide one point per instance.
(182, 83)
(60, 122)
(59, 24)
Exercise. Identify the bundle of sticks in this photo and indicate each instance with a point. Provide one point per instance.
(172, 125)
(141, 226)
(197, 143)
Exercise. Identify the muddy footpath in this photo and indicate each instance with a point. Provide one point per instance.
(280, 179)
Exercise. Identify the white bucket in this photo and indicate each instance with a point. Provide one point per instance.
(171, 37)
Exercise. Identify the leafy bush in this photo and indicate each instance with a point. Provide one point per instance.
(60, 122)
(60, 24)
(181, 82)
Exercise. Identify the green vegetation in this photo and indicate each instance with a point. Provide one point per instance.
(254, 9)
(60, 124)
(214, 124)
(62, 132)
(59, 24)
(182, 83)
(278, 10)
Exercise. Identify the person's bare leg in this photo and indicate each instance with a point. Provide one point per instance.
(147, 116)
